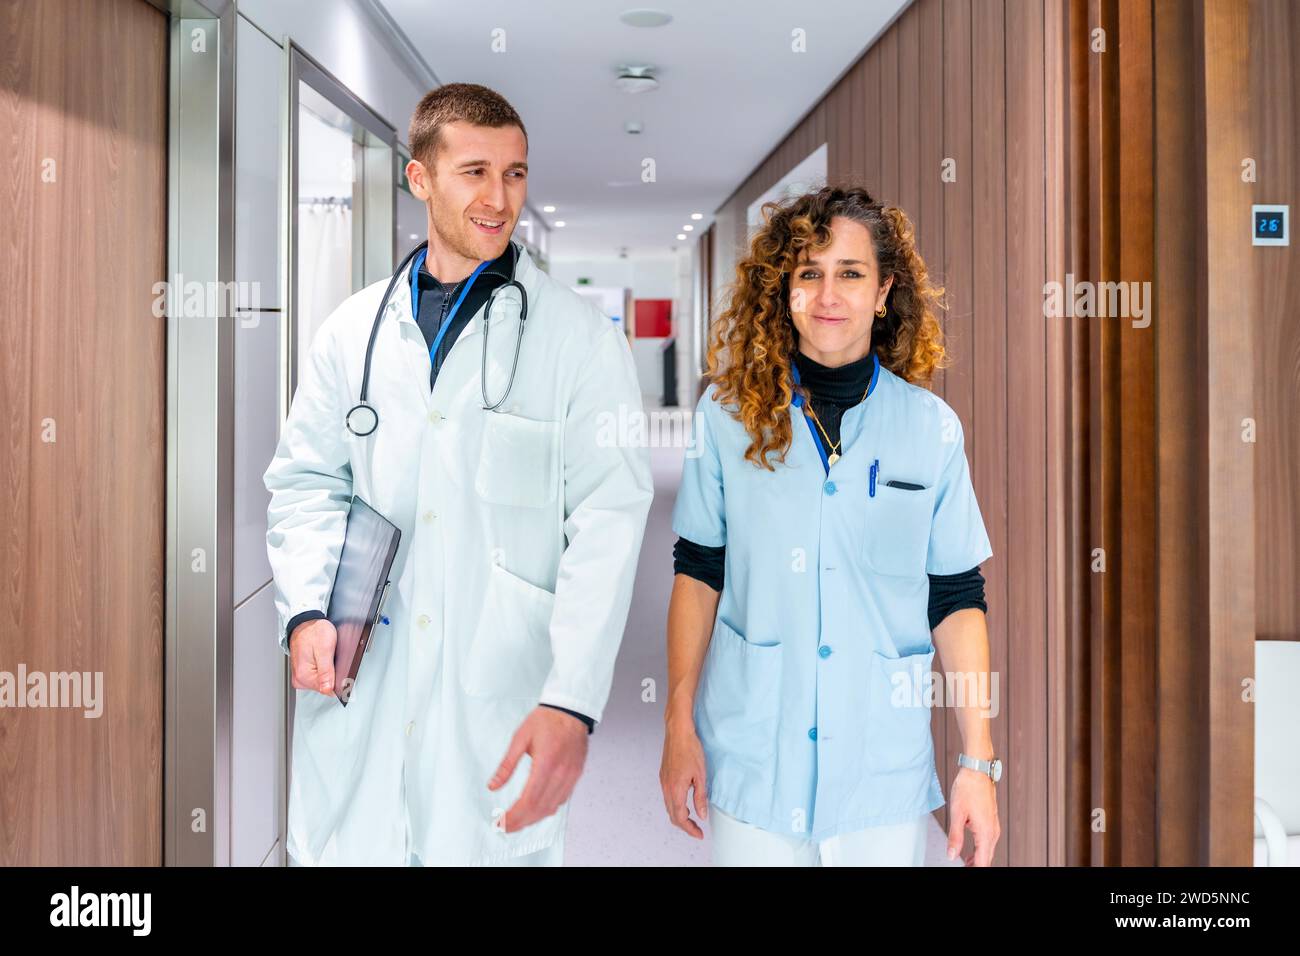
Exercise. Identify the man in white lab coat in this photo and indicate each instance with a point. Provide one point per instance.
(466, 729)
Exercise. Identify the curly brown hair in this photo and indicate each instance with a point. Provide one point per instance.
(754, 339)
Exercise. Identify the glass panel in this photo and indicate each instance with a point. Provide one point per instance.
(344, 212)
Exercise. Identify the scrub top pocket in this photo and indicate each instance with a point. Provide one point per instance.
(739, 702)
(896, 538)
(518, 462)
(898, 731)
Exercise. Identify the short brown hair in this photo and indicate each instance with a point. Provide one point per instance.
(457, 102)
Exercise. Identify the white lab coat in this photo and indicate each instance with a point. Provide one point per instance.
(520, 535)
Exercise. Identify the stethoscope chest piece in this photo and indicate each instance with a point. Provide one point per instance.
(362, 419)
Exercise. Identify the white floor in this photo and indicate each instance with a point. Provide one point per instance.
(617, 815)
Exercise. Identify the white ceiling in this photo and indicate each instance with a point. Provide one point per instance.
(731, 88)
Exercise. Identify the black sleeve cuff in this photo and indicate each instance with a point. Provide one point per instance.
(591, 724)
(700, 561)
(298, 619)
(952, 592)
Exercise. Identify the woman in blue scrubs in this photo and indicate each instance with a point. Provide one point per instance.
(830, 543)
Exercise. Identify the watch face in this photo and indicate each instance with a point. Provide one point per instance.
(997, 770)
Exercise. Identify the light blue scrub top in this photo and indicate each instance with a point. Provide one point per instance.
(813, 701)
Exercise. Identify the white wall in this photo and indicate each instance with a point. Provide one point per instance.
(341, 36)
(647, 277)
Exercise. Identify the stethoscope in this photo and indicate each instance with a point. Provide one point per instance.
(362, 418)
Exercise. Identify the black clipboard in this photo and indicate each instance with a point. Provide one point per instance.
(360, 589)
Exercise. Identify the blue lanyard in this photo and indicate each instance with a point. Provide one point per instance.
(817, 439)
(415, 299)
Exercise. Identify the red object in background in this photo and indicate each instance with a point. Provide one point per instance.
(654, 318)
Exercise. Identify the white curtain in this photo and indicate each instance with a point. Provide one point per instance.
(324, 267)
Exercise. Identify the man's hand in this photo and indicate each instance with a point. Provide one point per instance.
(973, 802)
(311, 656)
(557, 744)
(682, 769)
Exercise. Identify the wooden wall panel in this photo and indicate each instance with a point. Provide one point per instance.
(1181, 607)
(1275, 101)
(867, 128)
(885, 126)
(1060, 556)
(1077, 819)
(988, 452)
(855, 90)
(84, 360)
(929, 159)
(1026, 403)
(958, 276)
(1170, 485)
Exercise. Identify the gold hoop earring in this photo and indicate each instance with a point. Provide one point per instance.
(881, 312)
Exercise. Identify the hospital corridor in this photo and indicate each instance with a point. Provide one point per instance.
(594, 436)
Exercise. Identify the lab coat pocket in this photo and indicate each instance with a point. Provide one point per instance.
(896, 538)
(519, 461)
(739, 704)
(510, 654)
(328, 751)
(898, 733)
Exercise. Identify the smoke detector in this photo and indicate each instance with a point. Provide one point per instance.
(636, 79)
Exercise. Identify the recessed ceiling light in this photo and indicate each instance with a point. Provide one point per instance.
(525, 223)
(687, 228)
(645, 17)
(635, 78)
(415, 235)
(559, 224)
(548, 209)
(697, 215)
(681, 236)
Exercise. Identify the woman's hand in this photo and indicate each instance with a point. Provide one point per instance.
(683, 768)
(973, 803)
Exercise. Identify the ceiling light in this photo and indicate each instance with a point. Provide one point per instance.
(559, 224)
(697, 215)
(687, 228)
(636, 79)
(645, 18)
(548, 209)
(681, 236)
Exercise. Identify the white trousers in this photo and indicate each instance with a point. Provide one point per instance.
(742, 844)
(552, 855)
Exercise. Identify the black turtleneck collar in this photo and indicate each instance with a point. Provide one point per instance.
(843, 385)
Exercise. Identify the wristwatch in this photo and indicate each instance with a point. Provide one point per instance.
(991, 767)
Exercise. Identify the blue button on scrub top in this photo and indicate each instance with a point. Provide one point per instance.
(814, 564)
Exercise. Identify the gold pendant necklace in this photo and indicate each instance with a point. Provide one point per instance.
(834, 456)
